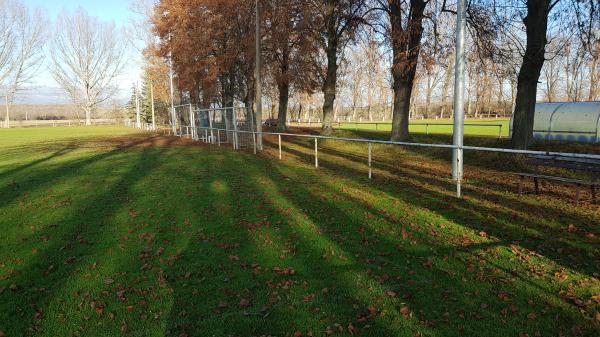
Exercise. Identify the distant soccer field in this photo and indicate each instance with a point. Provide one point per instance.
(483, 127)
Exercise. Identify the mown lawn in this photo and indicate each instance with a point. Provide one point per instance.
(473, 127)
(108, 232)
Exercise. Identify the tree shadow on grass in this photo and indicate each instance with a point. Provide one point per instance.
(425, 295)
(237, 260)
(324, 244)
(480, 209)
(32, 181)
(62, 257)
(58, 153)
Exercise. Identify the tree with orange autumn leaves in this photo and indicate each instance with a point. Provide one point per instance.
(211, 44)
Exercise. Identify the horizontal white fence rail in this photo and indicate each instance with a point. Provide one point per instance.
(441, 146)
(33, 123)
(207, 135)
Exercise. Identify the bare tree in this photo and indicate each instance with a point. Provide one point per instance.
(551, 72)
(27, 46)
(7, 38)
(87, 55)
(338, 21)
(139, 29)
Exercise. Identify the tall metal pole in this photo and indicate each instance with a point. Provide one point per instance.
(138, 122)
(257, 79)
(152, 105)
(173, 119)
(459, 94)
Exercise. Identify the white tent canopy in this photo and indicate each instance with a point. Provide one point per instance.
(572, 121)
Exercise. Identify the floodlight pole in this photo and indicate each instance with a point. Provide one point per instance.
(173, 119)
(257, 80)
(459, 94)
(138, 123)
(152, 105)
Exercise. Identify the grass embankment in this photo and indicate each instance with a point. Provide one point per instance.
(106, 232)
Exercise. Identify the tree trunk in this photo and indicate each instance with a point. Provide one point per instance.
(536, 26)
(447, 82)
(284, 95)
(593, 79)
(88, 115)
(227, 102)
(401, 112)
(329, 85)
(7, 118)
(406, 45)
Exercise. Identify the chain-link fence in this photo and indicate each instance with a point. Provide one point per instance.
(231, 125)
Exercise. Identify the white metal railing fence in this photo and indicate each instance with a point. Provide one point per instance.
(370, 142)
(218, 136)
(57, 122)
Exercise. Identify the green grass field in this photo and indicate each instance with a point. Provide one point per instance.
(481, 127)
(108, 232)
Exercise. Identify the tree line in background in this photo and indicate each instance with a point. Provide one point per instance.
(381, 58)
(86, 55)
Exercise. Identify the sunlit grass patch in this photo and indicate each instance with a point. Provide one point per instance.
(108, 232)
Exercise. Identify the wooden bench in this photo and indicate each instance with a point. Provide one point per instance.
(589, 167)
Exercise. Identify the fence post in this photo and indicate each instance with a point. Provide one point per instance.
(210, 125)
(206, 135)
(254, 140)
(192, 121)
(370, 170)
(500, 132)
(279, 136)
(236, 145)
(316, 153)
(219, 137)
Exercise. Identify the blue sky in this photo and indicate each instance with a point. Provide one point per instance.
(45, 90)
(107, 10)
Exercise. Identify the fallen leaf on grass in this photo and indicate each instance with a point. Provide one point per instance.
(351, 329)
(405, 311)
(503, 295)
(372, 310)
(108, 280)
(244, 302)
(309, 298)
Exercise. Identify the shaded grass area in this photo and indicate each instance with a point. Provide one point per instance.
(107, 233)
